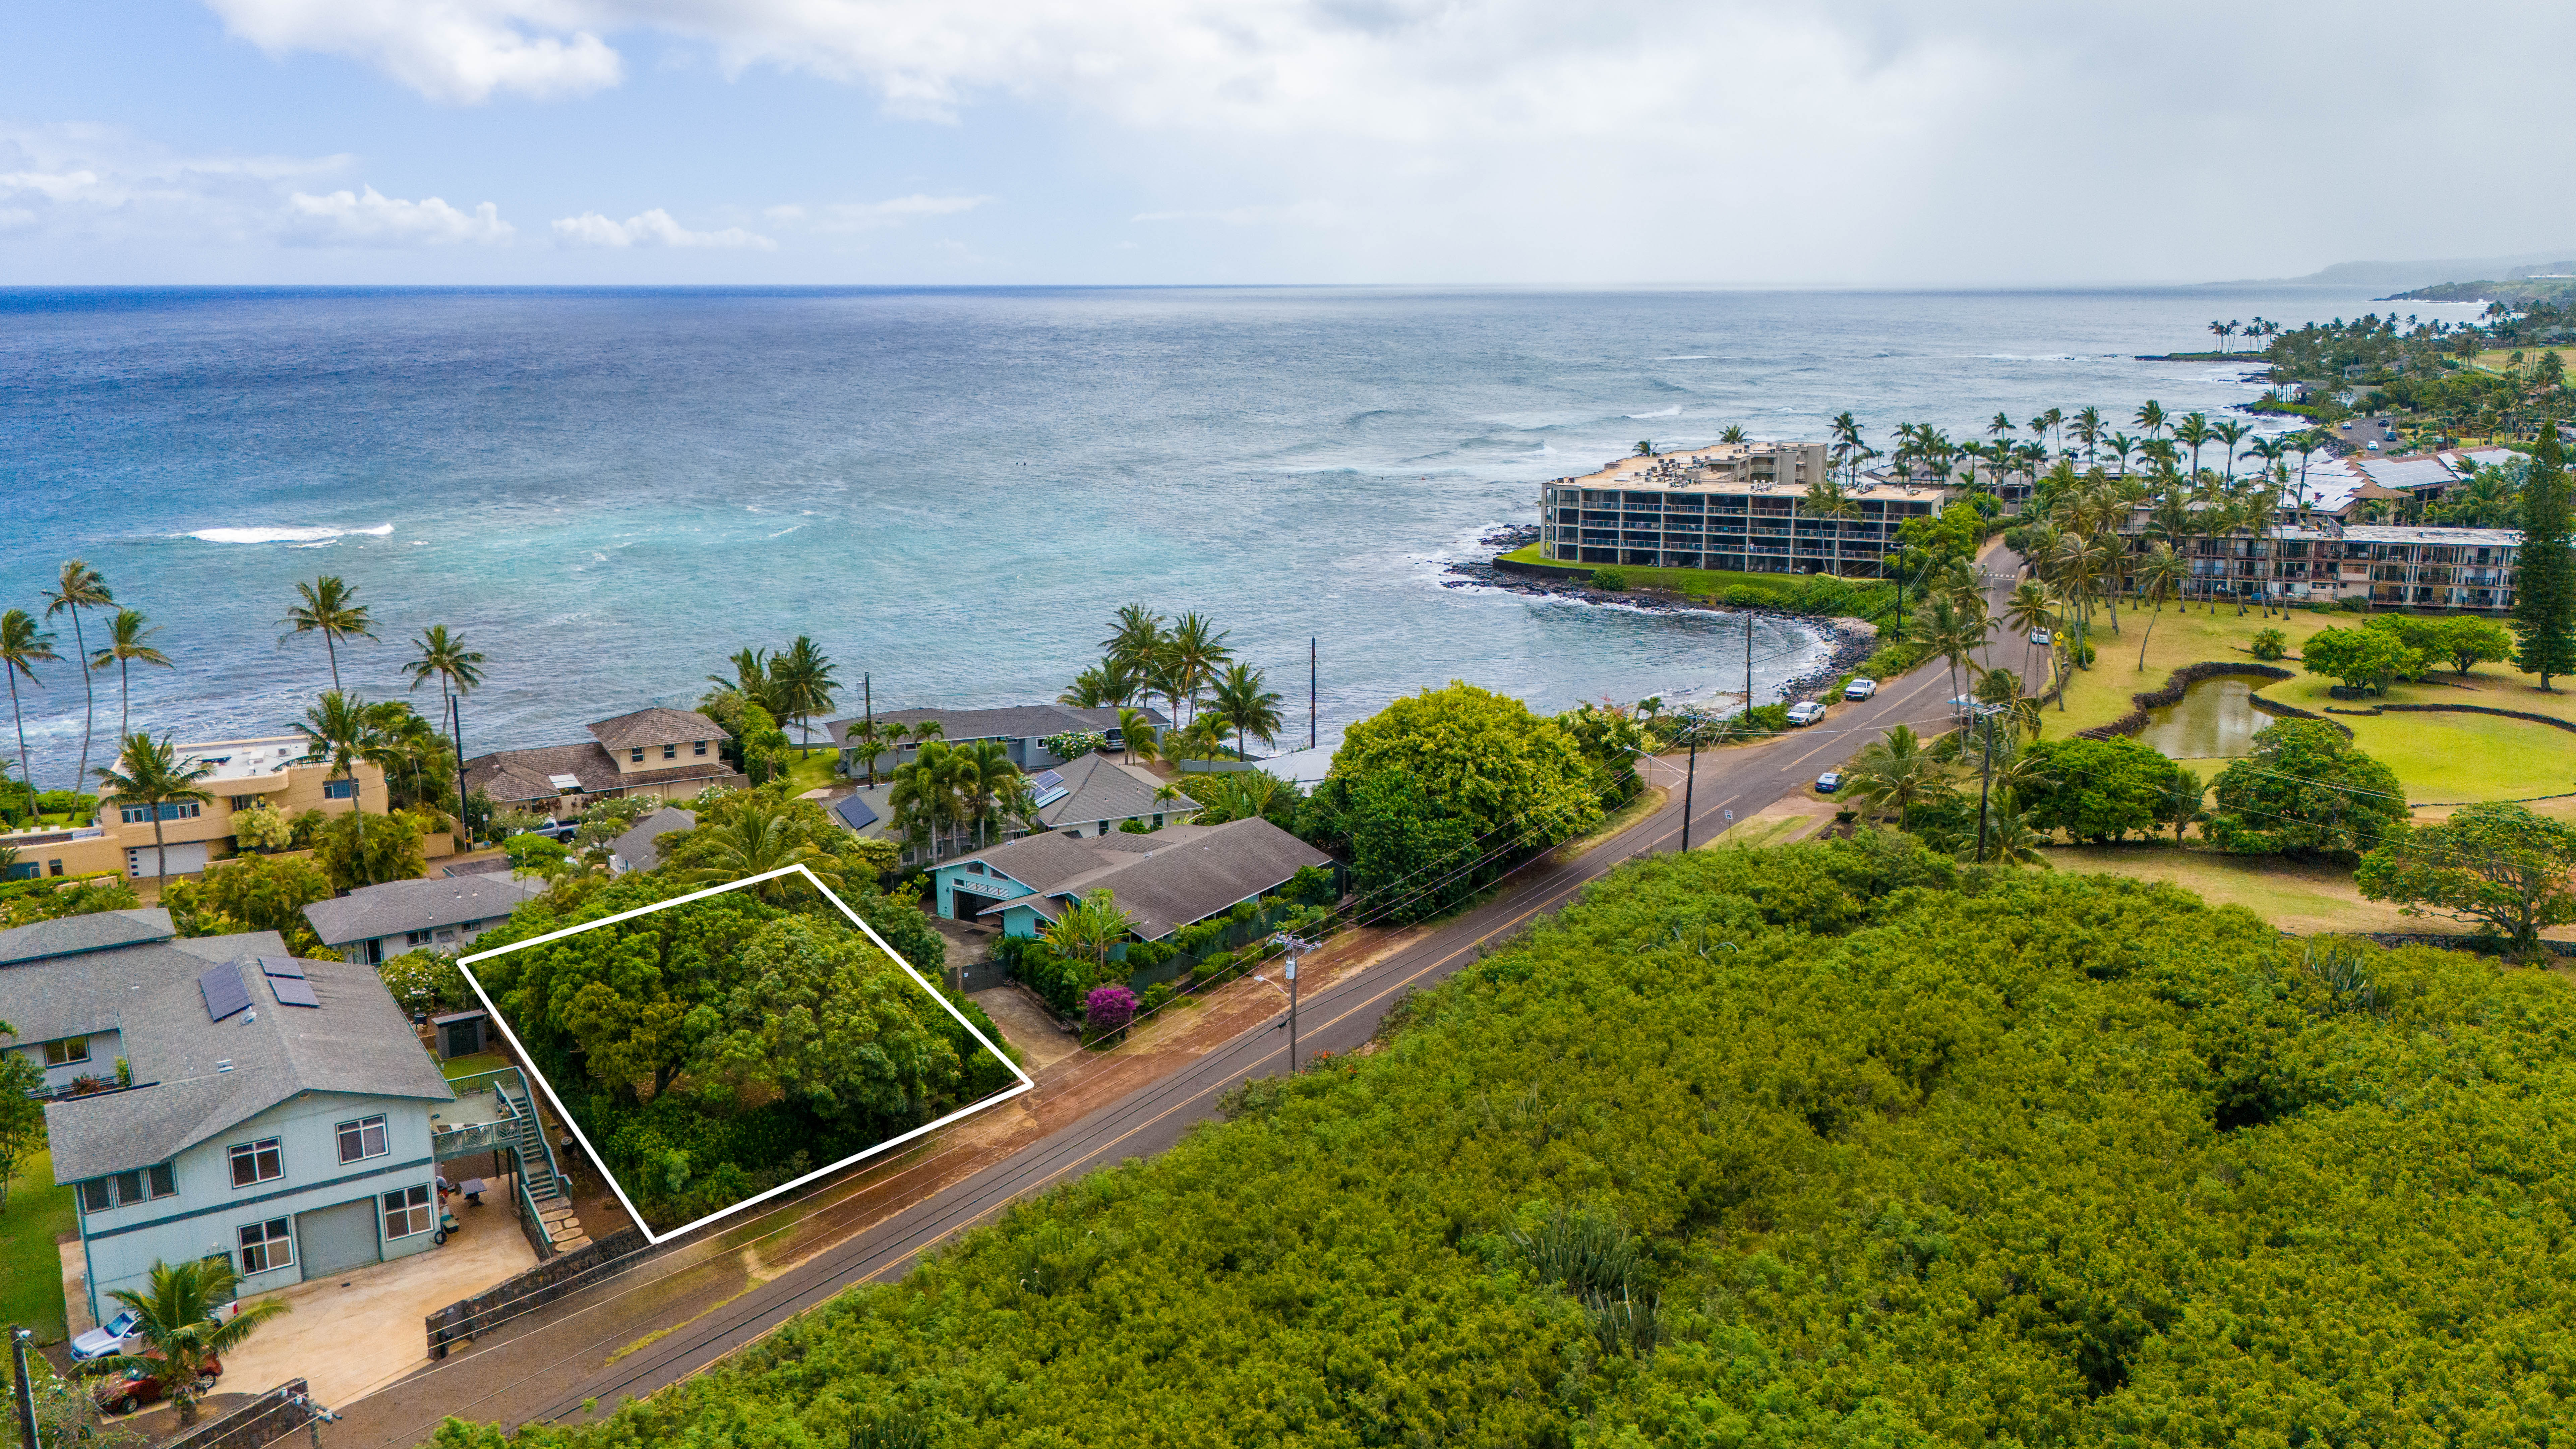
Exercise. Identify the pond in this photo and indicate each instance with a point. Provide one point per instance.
(2216, 719)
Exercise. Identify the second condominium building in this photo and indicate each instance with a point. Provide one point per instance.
(1736, 506)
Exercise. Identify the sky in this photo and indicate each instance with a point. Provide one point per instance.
(1510, 142)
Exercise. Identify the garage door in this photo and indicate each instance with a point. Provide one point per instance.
(186, 858)
(335, 1239)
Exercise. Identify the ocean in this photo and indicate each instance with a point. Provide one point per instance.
(608, 492)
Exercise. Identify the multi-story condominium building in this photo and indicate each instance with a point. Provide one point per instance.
(2325, 561)
(1737, 506)
(271, 1110)
(270, 771)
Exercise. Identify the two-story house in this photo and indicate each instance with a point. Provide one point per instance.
(373, 924)
(65, 986)
(279, 1115)
(668, 753)
(242, 774)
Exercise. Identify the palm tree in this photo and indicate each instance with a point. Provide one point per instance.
(2000, 425)
(755, 838)
(80, 588)
(1089, 931)
(150, 773)
(330, 609)
(1245, 705)
(23, 646)
(753, 680)
(1193, 653)
(175, 1320)
(2008, 838)
(2161, 573)
(802, 677)
(2193, 432)
(2122, 447)
(2042, 425)
(2030, 609)
(1734, 433)
(340, 731)
(1894, 772)
(129, 642)
(984, 776)
(1136, 735)
(1847, 443)
(2152, 418)
(1137, 639)
(458, 670)
(1825, 499)
(2088, 431)
(2229, 433)
(1110, 683)
(927, 799)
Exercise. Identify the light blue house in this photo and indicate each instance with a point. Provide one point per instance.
(279, 1115)
(1174, 877)
(65, 986)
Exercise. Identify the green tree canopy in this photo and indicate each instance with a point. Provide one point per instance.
(251, 893)
(2099, 790)
(2305, 789)
(1482, 758)
(2497, 864)
(2544, 601)
(2363, 658)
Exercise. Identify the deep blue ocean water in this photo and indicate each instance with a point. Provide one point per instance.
(610, 491)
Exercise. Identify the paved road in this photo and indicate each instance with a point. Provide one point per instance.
(1741, 779)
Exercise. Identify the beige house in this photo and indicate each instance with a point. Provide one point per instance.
(668, 753)
(1734, 506)
(245, 773)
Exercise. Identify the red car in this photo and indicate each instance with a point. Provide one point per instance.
(132, 1389)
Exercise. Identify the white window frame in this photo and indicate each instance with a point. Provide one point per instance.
(272, 1148)
(268, 1245)
(339, 789)
(369, 1135)
(405, 1210)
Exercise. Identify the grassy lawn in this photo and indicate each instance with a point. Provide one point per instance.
(455, 1068)
(1679, 581)
(2303, 897)
(2498, 359)
(2438, 757)
(31, 1268)
(814, 771)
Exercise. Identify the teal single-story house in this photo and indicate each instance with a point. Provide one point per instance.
(1174, 877)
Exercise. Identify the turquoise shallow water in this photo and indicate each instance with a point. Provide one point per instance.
(608, 492)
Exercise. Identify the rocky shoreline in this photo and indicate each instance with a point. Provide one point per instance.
(1848, 641)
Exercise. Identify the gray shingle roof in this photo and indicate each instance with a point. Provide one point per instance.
(71, 935)
(1046, 860)
(1010, 722)
(417, 905)
(73, 994)
(638, 847)
(648, 727)
(1186, 874)
(1099, 788)
(356, 1042)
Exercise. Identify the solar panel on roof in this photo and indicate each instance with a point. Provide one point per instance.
(1047, 787)
(224, 991)
(274, 966)
(293, 991)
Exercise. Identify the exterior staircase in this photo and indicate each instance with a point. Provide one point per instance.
(527, 1137)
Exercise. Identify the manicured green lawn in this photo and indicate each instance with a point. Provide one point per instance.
(814, 771)
(31, 1267)
(1679, 581)
(2303, 897)
(455, 1068)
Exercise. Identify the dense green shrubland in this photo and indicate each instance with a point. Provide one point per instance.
(1836, 1144)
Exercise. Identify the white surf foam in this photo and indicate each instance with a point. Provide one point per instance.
(1671, 412)
(285, 535)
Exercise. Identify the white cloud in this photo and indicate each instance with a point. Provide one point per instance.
(872, 215)
(370, 218)
(461, 51)
(654, 228)
(92, 185)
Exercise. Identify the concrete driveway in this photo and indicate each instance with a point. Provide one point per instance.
(353, 1333)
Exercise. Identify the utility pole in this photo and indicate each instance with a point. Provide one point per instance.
(25, 1398)
(868, 707)
(1312, 655)
(456, 732)
(1748, 663)
(1985, 785)
(1293, 947)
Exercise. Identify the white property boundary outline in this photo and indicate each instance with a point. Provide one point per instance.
(465, 964)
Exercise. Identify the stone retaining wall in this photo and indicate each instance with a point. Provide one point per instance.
(264, 1420)
(543, 1284)
(2171, 692)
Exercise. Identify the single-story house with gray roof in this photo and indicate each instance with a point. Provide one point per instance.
(66, 985)
(1021, 729)
(1171, 878)
(640, 847)
(373, 924)
(279, 1115)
